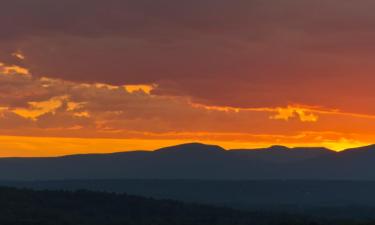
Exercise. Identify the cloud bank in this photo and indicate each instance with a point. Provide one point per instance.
(228, 53)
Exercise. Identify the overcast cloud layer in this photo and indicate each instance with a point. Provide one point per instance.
(240, 53)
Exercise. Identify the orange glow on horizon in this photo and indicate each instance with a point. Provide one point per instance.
(20, 146)
(79, 118)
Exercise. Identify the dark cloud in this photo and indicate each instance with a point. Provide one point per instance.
(248, 53)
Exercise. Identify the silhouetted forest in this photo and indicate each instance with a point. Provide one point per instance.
(27, 207)
(291, 196)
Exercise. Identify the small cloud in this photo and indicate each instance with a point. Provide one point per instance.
(304, 115)
(13, 70)
(139, 88)
(37, 109)
(82, 114)
(19, 55)
(73, 106)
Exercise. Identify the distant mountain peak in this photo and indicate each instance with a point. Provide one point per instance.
(284, 148)
(279, 148)
(192, 147)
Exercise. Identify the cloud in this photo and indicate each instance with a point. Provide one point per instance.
(51, 106)
(37, 109)
(91, 112)
(229, 53)
(13, 69)
(295, 111)
(214, 70)
(139, 88)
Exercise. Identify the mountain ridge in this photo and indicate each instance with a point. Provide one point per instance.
(199, 161)
(188, 146)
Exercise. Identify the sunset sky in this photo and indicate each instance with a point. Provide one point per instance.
(115, 75)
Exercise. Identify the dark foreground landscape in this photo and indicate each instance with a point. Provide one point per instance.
(192, 184)
(84, 207)
(27, 207)
(290, 196)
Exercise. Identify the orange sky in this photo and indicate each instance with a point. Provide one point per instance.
(125, 75)
(52, 117)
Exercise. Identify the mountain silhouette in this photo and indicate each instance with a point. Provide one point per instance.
(282, 154)
(194, 148)
(200, 161)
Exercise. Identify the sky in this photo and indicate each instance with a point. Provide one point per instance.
(94, 76)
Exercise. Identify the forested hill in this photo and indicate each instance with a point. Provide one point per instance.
(29, 207)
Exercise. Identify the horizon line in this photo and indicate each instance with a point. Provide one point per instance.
(192, 143)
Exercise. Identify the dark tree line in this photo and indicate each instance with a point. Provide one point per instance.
(28, 207)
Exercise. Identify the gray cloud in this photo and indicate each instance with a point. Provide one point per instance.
(251, 53)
